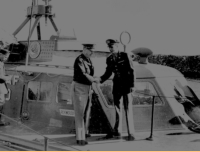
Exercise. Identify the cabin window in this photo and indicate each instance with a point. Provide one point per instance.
(143, 94)
(140, 97)
(40, 91)
(63, 93)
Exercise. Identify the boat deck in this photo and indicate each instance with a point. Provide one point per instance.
(168, 140)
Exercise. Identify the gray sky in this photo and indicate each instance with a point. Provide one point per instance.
(165, 26)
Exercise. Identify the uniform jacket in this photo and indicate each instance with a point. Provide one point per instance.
(83, 65)
(119, 64)
(2, 72)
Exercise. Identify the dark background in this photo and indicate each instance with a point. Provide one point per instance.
(189, 66)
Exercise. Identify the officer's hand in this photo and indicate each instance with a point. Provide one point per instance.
(97, 80)
(133, 89)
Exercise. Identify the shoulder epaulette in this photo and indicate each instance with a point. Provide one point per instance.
(110, 56)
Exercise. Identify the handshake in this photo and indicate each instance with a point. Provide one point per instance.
(93, 79)
(96, 80)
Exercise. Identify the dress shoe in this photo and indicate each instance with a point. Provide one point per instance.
(78, 142)
(82, 142)
(130, 137)
(109, 135)
(117, 134)
(87, 135)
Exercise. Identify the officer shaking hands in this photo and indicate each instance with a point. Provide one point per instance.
(81, 85)
(123, 83)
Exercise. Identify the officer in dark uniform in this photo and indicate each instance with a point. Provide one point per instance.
(123, 82)
(82, 81)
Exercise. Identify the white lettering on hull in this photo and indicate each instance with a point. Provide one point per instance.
(66, 112)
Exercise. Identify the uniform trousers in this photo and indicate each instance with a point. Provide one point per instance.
(80, 95)
(127, 102)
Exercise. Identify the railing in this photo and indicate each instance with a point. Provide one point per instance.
(31, 144)
(47, 139)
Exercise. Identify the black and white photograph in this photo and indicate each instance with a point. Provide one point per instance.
(99, 75)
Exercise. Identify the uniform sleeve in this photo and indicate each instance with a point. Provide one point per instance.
(108, 72)
(130, 60)
(2, 71)
(81, 65)
(131, 69)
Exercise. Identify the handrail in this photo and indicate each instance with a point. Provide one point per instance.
(45, 138)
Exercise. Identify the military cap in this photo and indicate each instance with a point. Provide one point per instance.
(111, 42)
(88, 46)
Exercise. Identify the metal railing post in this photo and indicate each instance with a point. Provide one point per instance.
(45, 144)
(152, 114)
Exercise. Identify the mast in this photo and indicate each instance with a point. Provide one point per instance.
(37, 11)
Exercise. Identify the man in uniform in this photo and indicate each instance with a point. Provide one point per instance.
(123, 82)
(82, 81)
(4, 54)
